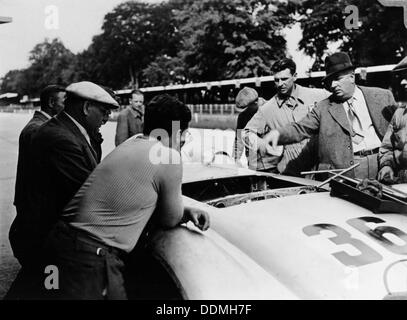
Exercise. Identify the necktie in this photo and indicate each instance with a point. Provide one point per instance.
(355, 124)
(354, 121)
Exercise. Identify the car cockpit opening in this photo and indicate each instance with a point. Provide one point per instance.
(231, 191)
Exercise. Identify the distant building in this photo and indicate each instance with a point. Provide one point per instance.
(5, 20)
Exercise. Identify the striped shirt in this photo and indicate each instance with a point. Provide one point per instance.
(117, 200)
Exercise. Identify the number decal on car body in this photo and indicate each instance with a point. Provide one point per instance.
(378, 233)
(367, 254)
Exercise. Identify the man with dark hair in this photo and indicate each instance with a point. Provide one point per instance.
(130, 120)
(350, 123)
(52, 102)
(52, 99)
(138, 181)
(291, 103)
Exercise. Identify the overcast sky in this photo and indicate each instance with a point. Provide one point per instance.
(78, 21)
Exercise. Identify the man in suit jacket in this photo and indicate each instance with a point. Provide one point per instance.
(130, 120)
(52, 102)
(63, 158)
(350, 123)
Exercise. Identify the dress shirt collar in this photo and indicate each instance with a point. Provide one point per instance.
(292, 100)
(80, 127)
(45, 114)
(136, 113)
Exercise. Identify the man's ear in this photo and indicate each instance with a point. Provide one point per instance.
(85, 107)
(51, 102)
(295, 76)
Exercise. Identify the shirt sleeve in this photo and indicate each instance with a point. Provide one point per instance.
(122, 129)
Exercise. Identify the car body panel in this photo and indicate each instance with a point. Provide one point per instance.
(308, 246)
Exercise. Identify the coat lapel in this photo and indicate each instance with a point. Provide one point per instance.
(39, 116)
(373, 103)
(91, 153)
(338, 113)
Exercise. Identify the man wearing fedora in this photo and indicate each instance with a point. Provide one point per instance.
(349, 123)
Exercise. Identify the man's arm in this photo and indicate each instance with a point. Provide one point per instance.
(296, 132)
(238, 146)
(122, 129)
(387, 163)
(170, 208)
(254, 131)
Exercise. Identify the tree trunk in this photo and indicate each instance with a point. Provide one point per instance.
(131, 73)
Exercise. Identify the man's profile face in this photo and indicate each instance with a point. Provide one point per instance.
(137, 102)
(97, 114)
(284, 81)
(342, 85)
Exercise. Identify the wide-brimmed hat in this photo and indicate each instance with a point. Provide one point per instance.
(245, 97)
(336, 63)
(401, 66)
(90, 91)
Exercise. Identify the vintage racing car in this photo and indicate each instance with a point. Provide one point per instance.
(275, 237)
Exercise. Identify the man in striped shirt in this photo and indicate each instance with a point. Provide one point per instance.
(137, 182)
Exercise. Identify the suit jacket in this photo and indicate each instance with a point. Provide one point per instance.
(62, 161)
(25, 158)
(129, 123)
(24, 180)
(328, 119)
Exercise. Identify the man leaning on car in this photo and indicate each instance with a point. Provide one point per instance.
(138, 181)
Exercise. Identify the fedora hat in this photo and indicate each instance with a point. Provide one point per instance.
(401, 66)
(336, 63)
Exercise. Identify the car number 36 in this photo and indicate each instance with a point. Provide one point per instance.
(367, 254)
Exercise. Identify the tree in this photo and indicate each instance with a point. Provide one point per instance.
(380, 39)
(164, 70)
(227, 39)
(51, 63)
(14, 81)
(133, 35)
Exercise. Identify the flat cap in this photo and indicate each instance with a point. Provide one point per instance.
(401, 66)
(245, 97)
(91, 91)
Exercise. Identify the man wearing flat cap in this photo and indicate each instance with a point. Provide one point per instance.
(350, 123)
(63, 157)
(247, 100)
(291, 103)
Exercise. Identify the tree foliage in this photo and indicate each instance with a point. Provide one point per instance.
(227, 39)
(50, 63)
(380, 39)
(133, 35)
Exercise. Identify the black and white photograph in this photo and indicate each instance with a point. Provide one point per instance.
(224, 152)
